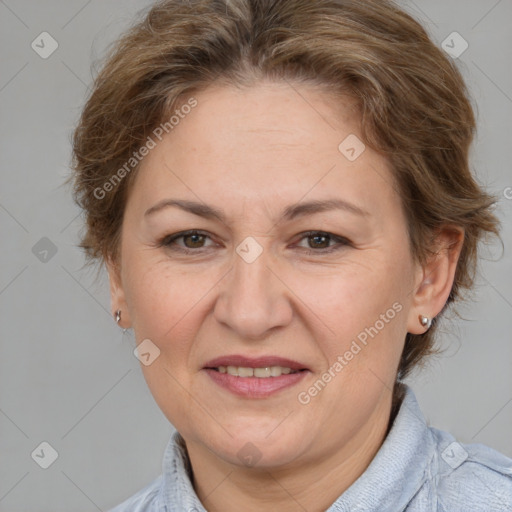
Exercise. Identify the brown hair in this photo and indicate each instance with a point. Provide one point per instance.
(413, 105)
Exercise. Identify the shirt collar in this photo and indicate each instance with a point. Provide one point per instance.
(399, 468)
(390, 482)
(177, 490)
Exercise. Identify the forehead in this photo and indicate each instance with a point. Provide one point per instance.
(261, 144)
(276, 114)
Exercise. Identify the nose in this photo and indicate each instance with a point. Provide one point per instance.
(254, 300)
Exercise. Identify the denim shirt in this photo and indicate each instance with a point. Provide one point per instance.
(417, 468)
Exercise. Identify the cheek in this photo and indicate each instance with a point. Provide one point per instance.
(163, 300)
(167, 305)
(364, 311)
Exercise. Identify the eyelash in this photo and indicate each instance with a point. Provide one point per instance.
(169, 242)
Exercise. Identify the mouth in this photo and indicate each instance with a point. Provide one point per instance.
(263, 372)
(256, 377)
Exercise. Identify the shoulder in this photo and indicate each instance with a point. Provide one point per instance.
(469, 476)
(146, 500)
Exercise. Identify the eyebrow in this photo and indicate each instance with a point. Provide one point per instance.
(290, 212)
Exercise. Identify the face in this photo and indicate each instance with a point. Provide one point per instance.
(298, 265)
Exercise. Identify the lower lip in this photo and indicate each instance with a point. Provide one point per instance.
(255, 387)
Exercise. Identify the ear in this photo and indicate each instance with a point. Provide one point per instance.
(117, 296)
(435, 279)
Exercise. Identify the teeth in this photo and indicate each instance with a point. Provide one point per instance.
(262, 373)
(242, 372)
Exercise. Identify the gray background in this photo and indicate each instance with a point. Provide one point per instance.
(67, 373)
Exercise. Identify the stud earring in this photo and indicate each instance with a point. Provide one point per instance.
(118, 316)
(425, 321)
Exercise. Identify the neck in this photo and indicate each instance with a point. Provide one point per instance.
(310, 483)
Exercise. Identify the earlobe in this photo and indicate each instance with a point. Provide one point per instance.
(117, 297)
(436, 280)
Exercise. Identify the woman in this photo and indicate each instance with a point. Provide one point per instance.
(281, 194)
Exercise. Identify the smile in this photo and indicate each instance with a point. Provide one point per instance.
(260, 373)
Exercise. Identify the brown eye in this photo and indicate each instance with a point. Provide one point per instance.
(319, 241)
(195, 240)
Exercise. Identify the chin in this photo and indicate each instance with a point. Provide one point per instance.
(255, 448)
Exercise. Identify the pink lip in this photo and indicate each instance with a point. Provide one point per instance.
(254, 362)
(254, 387)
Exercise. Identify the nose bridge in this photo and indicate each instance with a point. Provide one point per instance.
(252, 300)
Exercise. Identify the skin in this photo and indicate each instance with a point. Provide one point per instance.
(250, 153)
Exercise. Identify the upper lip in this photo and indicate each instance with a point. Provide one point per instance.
(254, 362)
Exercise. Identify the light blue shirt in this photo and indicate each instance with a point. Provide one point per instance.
(418, 468)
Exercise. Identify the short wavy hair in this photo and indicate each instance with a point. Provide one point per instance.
(412, 100)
